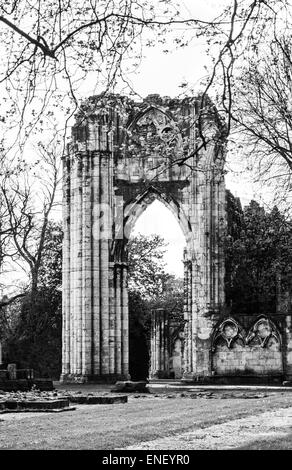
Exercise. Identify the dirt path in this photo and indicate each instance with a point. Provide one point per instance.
(239, 433)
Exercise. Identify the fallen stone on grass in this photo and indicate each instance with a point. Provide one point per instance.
(37, 410)
(52, 400)
(222, 396)
(130, 387)
(17, 405)
(98, 400)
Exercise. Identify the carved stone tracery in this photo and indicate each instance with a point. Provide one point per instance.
(263, 330)
(259, 333)
(153, 133)
(229, 330)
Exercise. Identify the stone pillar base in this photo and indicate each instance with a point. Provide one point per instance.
(73, 379)
(82, 379)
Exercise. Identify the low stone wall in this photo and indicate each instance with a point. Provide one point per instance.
(247, 360)
(255, 349)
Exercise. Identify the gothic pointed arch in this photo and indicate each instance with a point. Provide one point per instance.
(134, 209)
(262, 331)
(227, 332)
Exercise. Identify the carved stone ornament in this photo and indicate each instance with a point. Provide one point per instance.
(229, 331)
(262, 331)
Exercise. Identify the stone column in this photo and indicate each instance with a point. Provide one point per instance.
(95, 303)
(125, 322)
(221, 230)
(118, 323)
(186, 318)
(287, 353)
(192, 349)
(86, 355)
(159, 347)
(166, 341)
(189, 317)
(112, 303)
(112, 321)
(66, 267)
(104, 267)
(73, 261)
(152, 346)
(162, 343)
(95, 269)
(78, 274)
(206, 273)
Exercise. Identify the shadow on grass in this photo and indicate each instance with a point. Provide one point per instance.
(272, 443)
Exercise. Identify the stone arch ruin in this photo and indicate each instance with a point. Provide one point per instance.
(255, 349)
(123, 155)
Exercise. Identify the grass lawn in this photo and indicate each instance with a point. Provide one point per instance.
(141, 419)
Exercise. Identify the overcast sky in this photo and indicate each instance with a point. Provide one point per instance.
(163, 74)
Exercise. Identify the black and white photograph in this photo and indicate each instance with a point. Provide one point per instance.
(145, 228)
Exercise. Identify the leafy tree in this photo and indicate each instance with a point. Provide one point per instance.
(171, 300)
(32, 328)
(36, 340)
(27, 200)
(146, 265)
(150, 287)
(32, 336)
(146, 275)
(50, 275)
(258, 260)
(262, 114)
(51, 49)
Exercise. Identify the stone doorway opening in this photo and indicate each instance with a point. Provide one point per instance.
(157, 220)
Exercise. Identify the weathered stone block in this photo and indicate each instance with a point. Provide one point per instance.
(130, 387)
(107, 400)
(34, 404)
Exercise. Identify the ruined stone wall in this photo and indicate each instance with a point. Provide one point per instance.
(166, 345)
(250, 345)
(124, 155)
